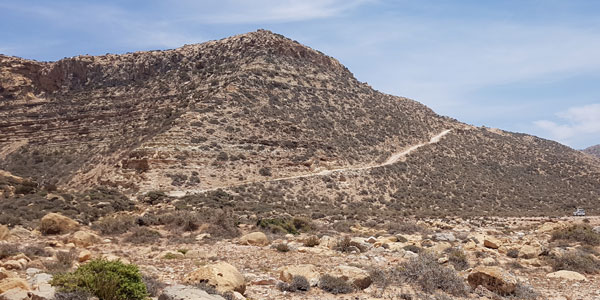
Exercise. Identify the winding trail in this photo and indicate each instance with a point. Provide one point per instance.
(391, 160)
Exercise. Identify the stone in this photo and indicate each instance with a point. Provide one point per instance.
(489, 261)
(444, 237)
(442, 260)
(112, 257)
(6, 274)
(15, 294)
(327, 242)
(223, 276)
(492, 242)
(39, 279)
(596, 229)
(32, 271)
(54, 223)
(4, 232)
(568, 275)
(20, 232)
(84, 256)
(12, 265)
(371, 240)
(309, 271)
(183, 292)
(529, 252)
(494, 279)
(200, 254)
(357, 277)
(255, 238)
(84, 239)
(13, 283)
(440, 247)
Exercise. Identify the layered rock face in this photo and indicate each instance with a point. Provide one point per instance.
(263, 118)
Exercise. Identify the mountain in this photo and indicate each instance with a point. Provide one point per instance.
(262, 123)
(593, 150)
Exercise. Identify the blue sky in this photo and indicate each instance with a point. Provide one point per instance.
(530, 66)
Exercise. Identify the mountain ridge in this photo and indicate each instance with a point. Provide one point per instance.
(241, 111)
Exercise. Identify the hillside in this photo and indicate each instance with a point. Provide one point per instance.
(593, 150)
(255, 121)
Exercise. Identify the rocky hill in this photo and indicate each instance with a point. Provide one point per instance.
(263, 124)
(593, 150)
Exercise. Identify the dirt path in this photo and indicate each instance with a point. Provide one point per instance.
(391, 160)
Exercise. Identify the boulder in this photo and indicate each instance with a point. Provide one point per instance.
(13, 283)
(255, 238)
(529, 252)
(13, 265)
(492, 242)
(223, 276)
(493, 279)
(84, 256)
(328, 242)
(183, 292)
(444, 237)
(489, 261)
(569, 275)
(357, 277)
(54, 223)
(15, 294)
(4, 232)
(84, 239)
(310, 272)
(596, 229)
(6, 274)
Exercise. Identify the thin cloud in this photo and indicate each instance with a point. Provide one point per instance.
(574, 122)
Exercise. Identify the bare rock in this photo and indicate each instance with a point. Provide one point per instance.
(84, 239)
(492, 242)
(183, 292)
(255, 238)
(357, 277)
(493, 279)
(528, 251)
(84, 256)
(13, 283)
(310, 272)
(15, 294)
(223, 276)
(444, 237)
(569, 275)
(54, 223)
(4, 232)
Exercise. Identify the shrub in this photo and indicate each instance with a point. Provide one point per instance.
(524, 292)
(512, 253)
(346, 245)
(335, 285)
(413, 248)
(154, 197)
(581, 233)
(143, 235)
(107, 280)
(426, 272)
(298, 283)
(114, 224)
(8, 250)
(265, 171)
(576, 261)
(458, 259)
(281, 247)
(311, 241)
(286, 225)
(64, 261)
(32, 251)
(79, 295)
(153, 285)
(408, 227)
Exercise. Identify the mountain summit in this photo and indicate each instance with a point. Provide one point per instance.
(265, 120)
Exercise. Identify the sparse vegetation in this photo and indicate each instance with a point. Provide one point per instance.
(64, 261)
(143, 235)
(579, 233)
(334, 285)
(429, 275)
(311, 241)
(576, 261)
(458, 258)
(297, 284)
(346, 245)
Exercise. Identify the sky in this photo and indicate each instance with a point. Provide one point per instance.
(529, 66)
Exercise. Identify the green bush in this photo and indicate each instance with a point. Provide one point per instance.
(577, 233)
(107, 280)
(286, 225)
